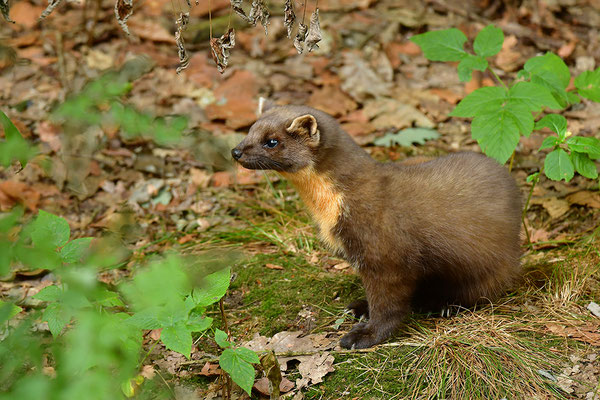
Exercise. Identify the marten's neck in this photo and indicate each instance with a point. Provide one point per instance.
(324, 201)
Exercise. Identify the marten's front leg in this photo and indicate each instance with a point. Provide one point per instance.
(388, 299)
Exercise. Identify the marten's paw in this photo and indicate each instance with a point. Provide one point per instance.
(360, 337)
(360, 308)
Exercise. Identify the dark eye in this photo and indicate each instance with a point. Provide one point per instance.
(271, 143)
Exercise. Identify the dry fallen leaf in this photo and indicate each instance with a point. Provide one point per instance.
(300, 37)
(274, 266)
(220, 48)
(4, 8)
(52, 4)
(210, 370)
(184, 59)
(585, 198)
(314, 32)
(259, 12)
(12, 192)
(314, 368)
(236, 6)
(288, 17)
(556, 207)
(584, 333)
(123, 10)
(359, 80)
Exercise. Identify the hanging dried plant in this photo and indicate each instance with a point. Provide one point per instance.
(300, 37)
(123, 10)
(289, 17)
(259, 12)
(4, 9)
(220, 49)
(314, 32)
(236, 5)
(184, 59)
(52, 4)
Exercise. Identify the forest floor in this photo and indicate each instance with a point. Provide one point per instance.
(540, 341)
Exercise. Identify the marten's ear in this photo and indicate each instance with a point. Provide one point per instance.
(264, 105)
(305, 126)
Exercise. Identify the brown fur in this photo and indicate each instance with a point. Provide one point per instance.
(422, 236)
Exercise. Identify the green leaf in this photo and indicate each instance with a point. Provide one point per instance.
(468, 64)
(588, 85)
(558, 166)
(221, 339)
(241, 371)
(177, 338)
(146, 319)
(108, 298)
(407, 137)
(533, 96)
(485, 99)
(584, 165)
(14, 147)
(588, 145)
(74, 251)
(214, 286)
(488, 41)
(556, 123)
(49, 293)
(533, 177)
(247, 355)
(8, 310)
(57, 317)
(551, 72)
(199, 324)
(549, 142)
(49, 230)
(443, 45)
(497, 134)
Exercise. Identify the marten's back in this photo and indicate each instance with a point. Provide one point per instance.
(454, 220)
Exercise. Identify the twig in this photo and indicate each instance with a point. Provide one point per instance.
(227, 380)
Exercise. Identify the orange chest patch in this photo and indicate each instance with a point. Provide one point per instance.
(323, 201)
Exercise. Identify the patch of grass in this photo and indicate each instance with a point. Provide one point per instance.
(273, 298)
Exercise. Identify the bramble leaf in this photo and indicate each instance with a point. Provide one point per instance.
(555, 122)
(57, 317)
(177, 338)
(485, 99)
(74, 251)
(247, 355)
(488, 41)
(198, 323)
(588, 85)
(241, 371)
(588, 145)
(49, 293)
(214, 286)
(221, 339)
(534, 96)
(9, 310)
(443, 45)
(549, 142)
(468, 64)
(584, 165)
(558, 166)
(14, 147)
(497, 134)
(551, 72)
(49, 230)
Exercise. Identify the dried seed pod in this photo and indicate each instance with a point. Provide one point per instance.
(236, 5)
(314, 32)
(220, 47)
(289, 17)
(300, 37)
(260, 12)
(123, 10)
(52, 4)
(4, 9)
(184, 59)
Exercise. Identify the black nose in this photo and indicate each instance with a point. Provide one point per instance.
(236, 153)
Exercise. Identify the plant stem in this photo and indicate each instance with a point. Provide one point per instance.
(512, 158)
(498, 78)
(524, 215)
(226, 379)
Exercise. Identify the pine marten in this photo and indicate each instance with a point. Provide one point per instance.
(422, 237)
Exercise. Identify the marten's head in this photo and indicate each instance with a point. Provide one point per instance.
(283, 139)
